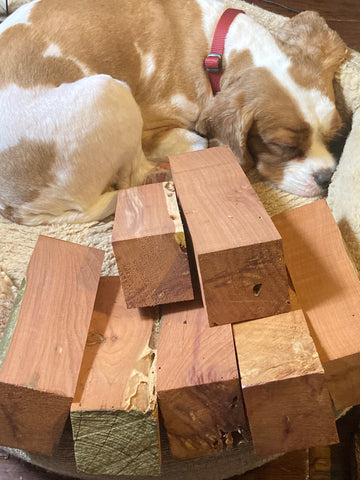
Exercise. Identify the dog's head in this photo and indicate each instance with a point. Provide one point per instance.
(280, 116)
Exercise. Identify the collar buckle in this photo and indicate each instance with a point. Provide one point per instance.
(213, 63)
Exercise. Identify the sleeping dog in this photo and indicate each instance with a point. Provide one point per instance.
(90, 92)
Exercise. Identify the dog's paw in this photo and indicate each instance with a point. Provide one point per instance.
(214, 142)
(160, 173)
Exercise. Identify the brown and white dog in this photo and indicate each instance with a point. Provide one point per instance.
(90, 91)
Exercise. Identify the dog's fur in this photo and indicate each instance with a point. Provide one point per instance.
(90, 91)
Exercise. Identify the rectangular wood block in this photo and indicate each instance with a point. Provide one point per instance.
(328, 290)
(150, 247)
(291, 466)
(114, 413)
(237, 248)
(198, 383)
(43, 343)
(287, 403)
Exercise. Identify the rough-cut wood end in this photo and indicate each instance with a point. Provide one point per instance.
(150, 248)
(154, 270)
(289, 415)
(131, 449)
(31, 420)
(204, 419)
(244, 284)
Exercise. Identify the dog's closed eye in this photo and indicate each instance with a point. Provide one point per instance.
(273, 150)
(289, 151)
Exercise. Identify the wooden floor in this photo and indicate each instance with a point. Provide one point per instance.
(344, 17)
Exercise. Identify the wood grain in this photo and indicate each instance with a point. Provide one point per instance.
(320, 463)
(150, 246)
(291, 466)
(114, 413)
(328, 290)
(314, 464)
(41, 361)
(237, 248)
(287, 403)
(198, 385)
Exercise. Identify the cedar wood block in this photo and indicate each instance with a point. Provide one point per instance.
(328, 289)
(115, 405)
(237, 248)
(42, 348)
(286, 400)
(291, 466)
(150, 247)
(198, 384)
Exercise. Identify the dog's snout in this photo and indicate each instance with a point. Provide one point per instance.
(323, 178)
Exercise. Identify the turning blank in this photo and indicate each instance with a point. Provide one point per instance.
(114, 413)
(150, 247)
(328, 289)
(237, 248)
(287, 403)
(198, 384)
(44, 341)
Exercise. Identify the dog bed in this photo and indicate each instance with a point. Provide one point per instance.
(17, 242)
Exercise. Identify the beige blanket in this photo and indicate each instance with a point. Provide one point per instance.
(17, 242)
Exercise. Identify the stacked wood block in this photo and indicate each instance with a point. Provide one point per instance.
(115, 403)
(288, 360)
(150, 247)
(237, 248)
(287, 403)
(42, 347)
(328, 289)
(198, 384)
(310, 464)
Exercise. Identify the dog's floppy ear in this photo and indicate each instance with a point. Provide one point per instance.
(307, 37)
(227, 120)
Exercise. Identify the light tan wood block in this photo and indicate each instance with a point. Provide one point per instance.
(328, 290)
(150, 247)
(286, 400)
(237, 248)
(114, 413)
(198, 384)
(42, 348)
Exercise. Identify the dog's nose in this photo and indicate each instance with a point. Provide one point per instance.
(323, 178)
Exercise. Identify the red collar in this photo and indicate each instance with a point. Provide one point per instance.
(213, 62)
